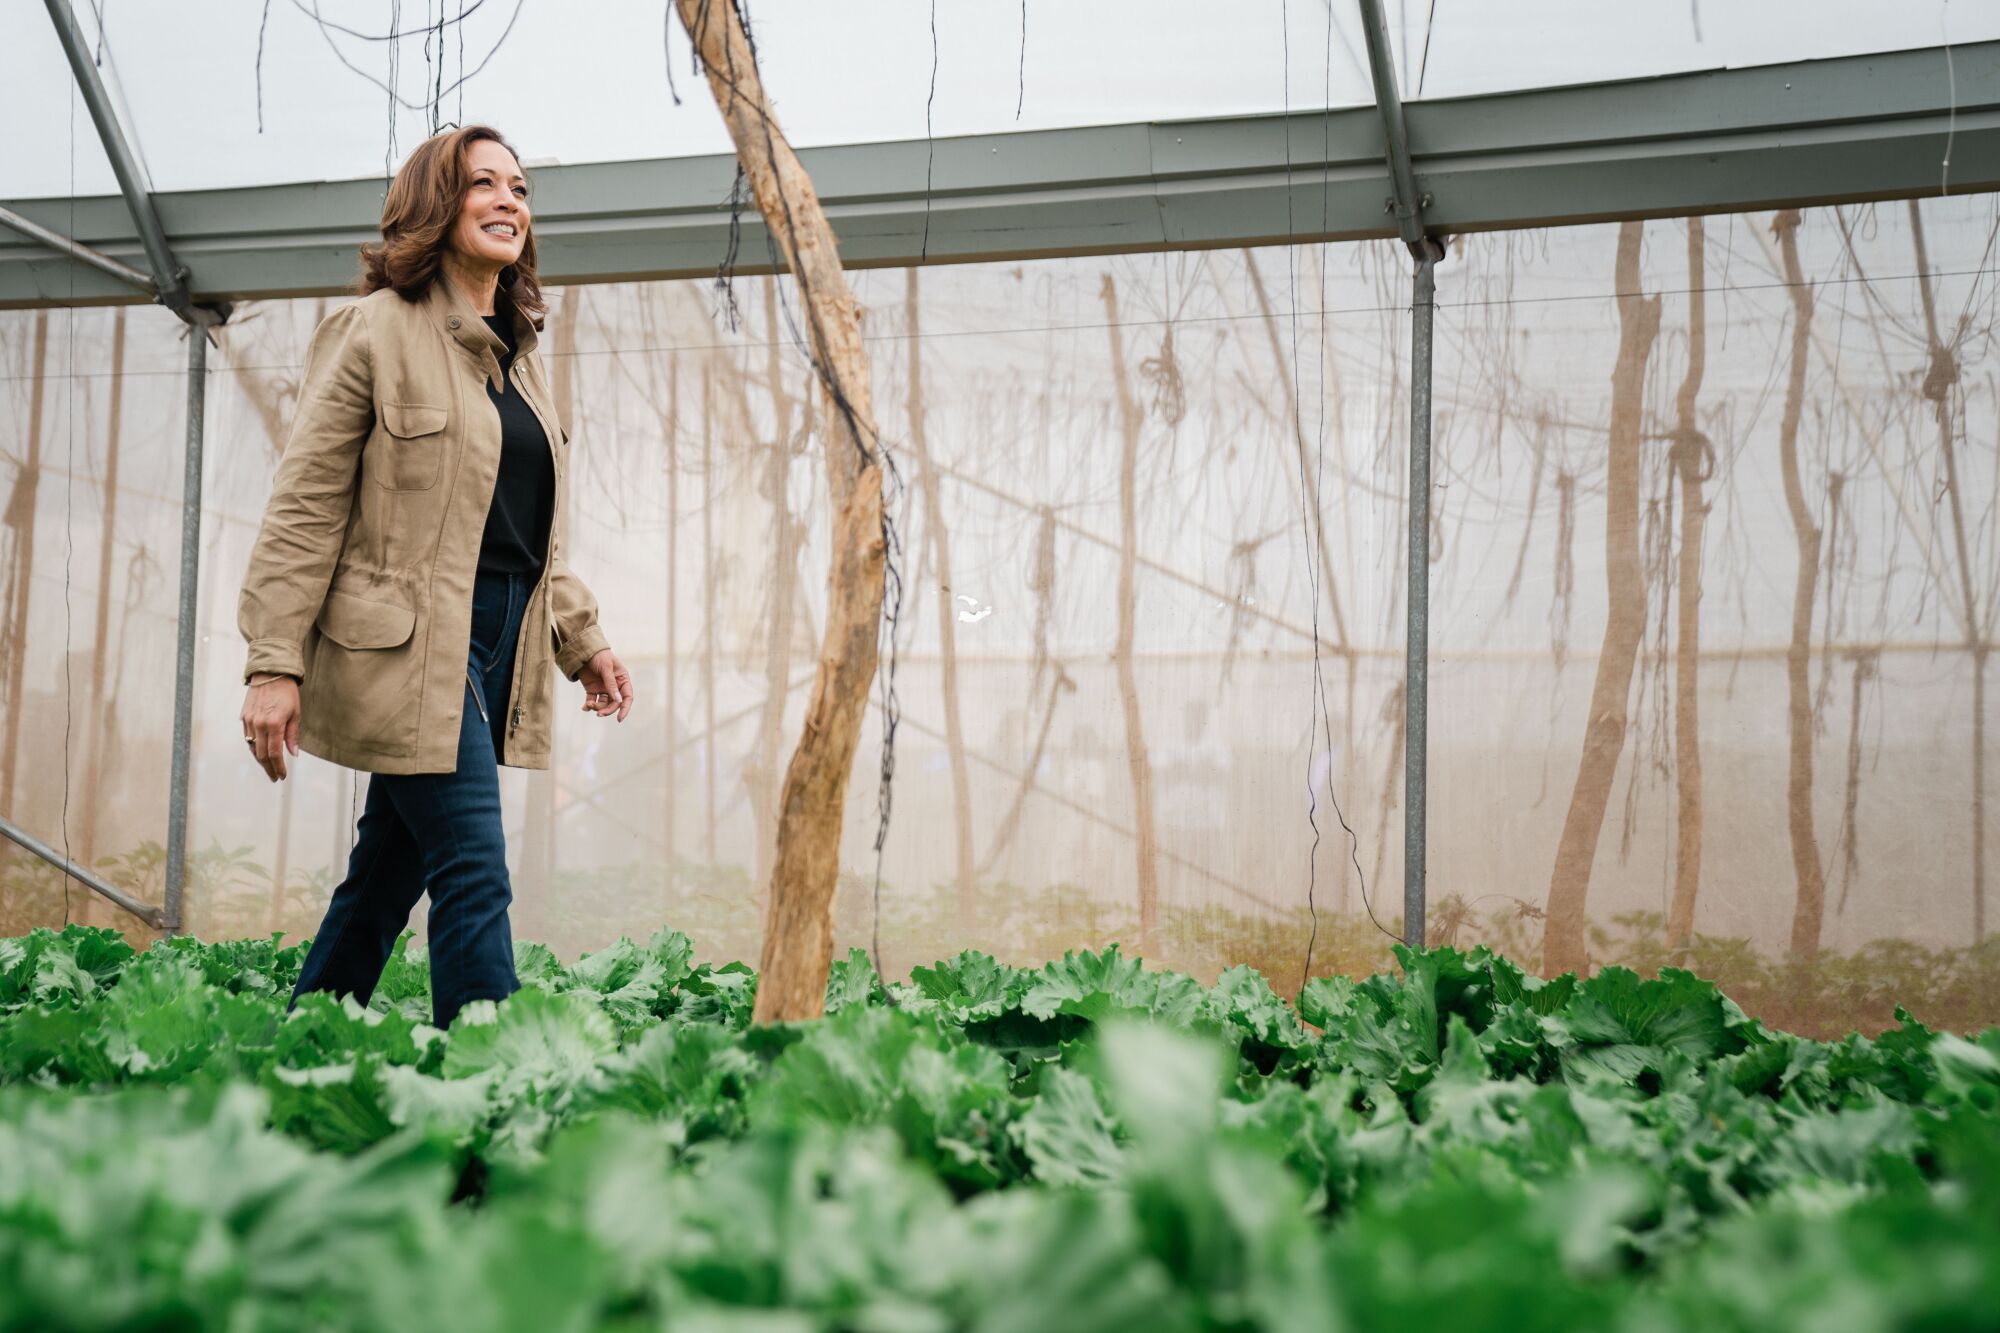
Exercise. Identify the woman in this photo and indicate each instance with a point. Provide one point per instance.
(407, 596)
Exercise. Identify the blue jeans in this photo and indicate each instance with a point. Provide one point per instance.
(439, 831)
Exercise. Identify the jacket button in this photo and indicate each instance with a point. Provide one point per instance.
(454, 321)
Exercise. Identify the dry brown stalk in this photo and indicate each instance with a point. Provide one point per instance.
(708, 604)
(1564, 945)
(1131, 418)
(1939, 380)
(267, 397)
(760, 772)
(1011, 821)
(20, 516)
(1296, 468)
(939, 541)
(669, 704)
(1810, 908)
(1693, 459)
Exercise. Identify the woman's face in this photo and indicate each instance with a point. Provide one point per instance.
(493, 220)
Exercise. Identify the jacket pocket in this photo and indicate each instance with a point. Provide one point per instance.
(357, 622)
(414, 445)
(365, 681)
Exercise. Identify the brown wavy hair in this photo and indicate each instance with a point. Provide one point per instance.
(423, 206)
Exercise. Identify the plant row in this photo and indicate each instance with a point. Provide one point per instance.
(1090, 1145)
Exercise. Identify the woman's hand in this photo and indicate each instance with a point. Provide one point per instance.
(607, 685)
(271, 722)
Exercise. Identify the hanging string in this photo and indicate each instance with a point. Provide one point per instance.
(327, 27)
(1320, 710)
(1021, 74)
(1424, 61)
(1951, 98)
(263, 22)
(725, 272)
(667, 49)
(930, 143)
(437, 81)
(395, 63)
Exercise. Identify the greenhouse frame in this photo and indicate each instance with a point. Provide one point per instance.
(986, 543)
(1842, 130)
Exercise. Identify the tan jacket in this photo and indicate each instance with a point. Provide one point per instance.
(360, 583)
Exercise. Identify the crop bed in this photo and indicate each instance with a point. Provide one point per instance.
(1089, 1145)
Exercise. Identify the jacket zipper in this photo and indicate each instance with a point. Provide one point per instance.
(477, 702)
(519, 714)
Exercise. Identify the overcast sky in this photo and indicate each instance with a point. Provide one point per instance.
(587, 82)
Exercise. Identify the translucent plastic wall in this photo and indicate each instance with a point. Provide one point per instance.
(1713, 569)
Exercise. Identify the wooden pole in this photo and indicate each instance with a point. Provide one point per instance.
(1297, 468)
(1565, 941)
(1693, 458)
(1146, 842)
(708, 599)
(798, 933)
(672, 691)
(1810, 908)
(1011, 821)
(1939, 380)
(266, 397)
(938, 536)
(100, 739)
(538, 823)
(760, 772)
(20, 516)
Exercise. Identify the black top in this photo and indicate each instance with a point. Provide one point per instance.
(524, 495)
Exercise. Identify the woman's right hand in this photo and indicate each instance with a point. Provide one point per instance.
(271, 722)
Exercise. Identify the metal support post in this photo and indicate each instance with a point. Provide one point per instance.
(146, 912)
(169, 278)
(1416, 679)
(177, 788)
(1405, 202)
(169, 284)
(56, 241)
(1408, 204)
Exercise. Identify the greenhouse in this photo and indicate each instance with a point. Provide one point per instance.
(1307, 666)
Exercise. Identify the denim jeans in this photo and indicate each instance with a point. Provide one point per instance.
(439, 831)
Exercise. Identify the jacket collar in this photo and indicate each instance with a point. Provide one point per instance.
(455, 319)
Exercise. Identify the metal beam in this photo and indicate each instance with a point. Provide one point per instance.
(55, 240)
(144, 911)
(169, 278)
(1814, 132)
(1408, 204)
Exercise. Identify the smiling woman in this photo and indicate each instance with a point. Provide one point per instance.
(461, 204)
(406, 597)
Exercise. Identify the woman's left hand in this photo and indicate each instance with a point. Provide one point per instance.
(607, 685)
